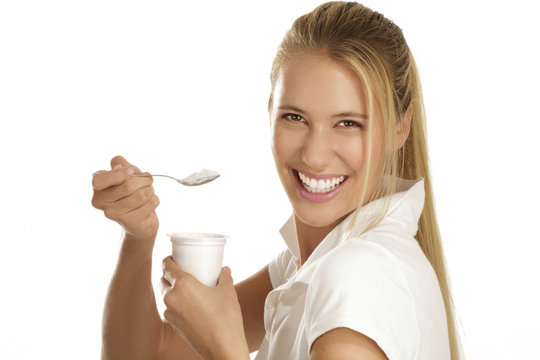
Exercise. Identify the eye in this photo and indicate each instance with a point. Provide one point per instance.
(292, 117)
(350, 124)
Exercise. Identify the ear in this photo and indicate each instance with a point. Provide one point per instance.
(403, 129)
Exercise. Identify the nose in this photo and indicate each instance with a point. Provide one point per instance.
(317, 150)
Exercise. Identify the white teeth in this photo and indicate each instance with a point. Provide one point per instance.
(320, 186)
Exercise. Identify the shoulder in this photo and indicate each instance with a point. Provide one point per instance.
(358, 262)
(379, 257)
(361, 286)
(359, 275)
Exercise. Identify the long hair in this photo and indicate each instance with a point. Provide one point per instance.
(375, 49)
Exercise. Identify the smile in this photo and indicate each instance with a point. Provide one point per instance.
(318, 187)
(323, 185)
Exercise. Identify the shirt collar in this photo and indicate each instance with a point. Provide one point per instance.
(406, 204)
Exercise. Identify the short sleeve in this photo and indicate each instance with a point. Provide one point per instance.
(360, 286)
(281, 268)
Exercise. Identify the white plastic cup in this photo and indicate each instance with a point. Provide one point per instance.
(199, 254)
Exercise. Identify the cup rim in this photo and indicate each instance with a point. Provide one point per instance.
(197, 238)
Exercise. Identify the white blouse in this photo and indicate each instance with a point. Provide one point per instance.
(379, 284)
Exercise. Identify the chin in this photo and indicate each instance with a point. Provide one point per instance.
(319, 219)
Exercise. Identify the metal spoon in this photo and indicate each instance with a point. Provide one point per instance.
(199, 178)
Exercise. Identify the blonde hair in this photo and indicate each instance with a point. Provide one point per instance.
(374, 48)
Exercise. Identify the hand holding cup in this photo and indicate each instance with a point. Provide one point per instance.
(208, 318)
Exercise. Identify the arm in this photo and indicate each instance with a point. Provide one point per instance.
(132, 326)
(344, 343)
(252, 294)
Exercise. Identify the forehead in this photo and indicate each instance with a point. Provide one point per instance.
(319, 83)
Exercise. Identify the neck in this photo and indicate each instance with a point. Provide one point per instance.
(309, 237)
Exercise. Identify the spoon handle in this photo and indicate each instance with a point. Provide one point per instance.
(156, 175)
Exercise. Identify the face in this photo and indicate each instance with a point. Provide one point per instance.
(320, 127)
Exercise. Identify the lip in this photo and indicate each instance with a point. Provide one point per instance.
(316, 197)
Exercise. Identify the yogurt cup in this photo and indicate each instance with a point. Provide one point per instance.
(200, 254)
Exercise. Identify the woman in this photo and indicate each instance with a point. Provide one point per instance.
(364, 274)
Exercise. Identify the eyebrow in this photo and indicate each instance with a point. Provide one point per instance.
(351, 114)
(340, 115)
(291, 108)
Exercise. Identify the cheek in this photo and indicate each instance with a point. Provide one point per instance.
(284, 145)
(354, 151)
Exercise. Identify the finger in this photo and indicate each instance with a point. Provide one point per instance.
(164, 285)
(173, 273)
(128, 188)
(225, 277)
(170, 270)
(105, 179)
(129, 203)
(99, 172)
(120, 161)
(113, 194)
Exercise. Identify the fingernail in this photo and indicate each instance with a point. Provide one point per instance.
(130, 171)
(228, 269)
(117, 166)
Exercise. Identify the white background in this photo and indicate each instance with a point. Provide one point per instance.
(176, 86)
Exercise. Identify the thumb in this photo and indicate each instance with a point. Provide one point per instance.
(225, 278)
(120, 162)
